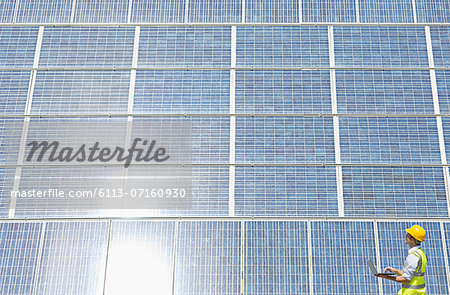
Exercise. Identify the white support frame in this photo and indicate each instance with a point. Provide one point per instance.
(243, 11)
(445, 249)
(16, 10)
(39, 257)
(377, 253)
(174, 256)
(231, 176)
(72, 13)
(105, 276)
(310, 260)
(334, 111)
(186, 12)
(357, 11)
(300, 12)
(414, 9)
(437, 112)
(26, 122)
(242, 255)
(130, 8)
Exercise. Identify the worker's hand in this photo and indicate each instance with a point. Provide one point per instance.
(390, 269)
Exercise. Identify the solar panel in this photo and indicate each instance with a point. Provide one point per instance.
(101, 11)
(182, 92)
(286, 191)
(13, 92)
(282, 47)
(440, 41)
(80, 92)
(43, 11)
(380, 47)
(329, 11)
(140, 257)
(284, 140)
(6, 186)
(271, 11)
(443, 89)
(275, 258)
(7, 11)
(433, 11)
(399, 140)
(393, 252)
(446, 131)
(215, 11)
(19, 244)
(87, 47)
(17, 47)
(340, 250)
(384, 92)
(208, 257)
(73, 258)
(386, 11)
(283, 92)
(158, 11)
(394, 192)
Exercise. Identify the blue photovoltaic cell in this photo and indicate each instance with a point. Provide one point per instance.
(284, 140)
(19, 245)
(443, 88)
(394, 192)
(158, 11)
(13, 92)
(140, 257)
(282, 47)
(386, 11)
(182, 92)
(380, 47)
(208, 258)
(393, 252)
(81, 92)
(7, 11)
(215, 11)
(389, 140)
(185, 47)
(283, 92)
(384, 92)
(433, 11)
(446, 129)
(329, 11)
(271, 11)
(440, 41)
(73, 258)
(101, 11)
(275, 258)
(340, 250)
(87, 47)
(6, 186)
(286, 191)
(17, 47)
(44, 11)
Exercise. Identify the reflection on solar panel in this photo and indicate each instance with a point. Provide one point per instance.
(282, 47)
(384, 92)
(393, 252)
(140, 257)
(386, 11)
(275, 258)
(433, 11)
(271, 11)
(443, 88)
(182, 92)
(380, 47)
(389, 140)
(284, 140)
(396, 192)
(286, 191)
(13, 92)
(73, 258)
(185, 47)
(87, 47)
(339, 254)
(215, 11)
(208, 258)
(101, 11)
(43, 11)
(7, 11)
(158, 11)
(81, 92)
(17, 46)
(440, 41)
(329, 11)
(283, 92)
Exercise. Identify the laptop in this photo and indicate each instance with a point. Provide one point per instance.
(374, 270)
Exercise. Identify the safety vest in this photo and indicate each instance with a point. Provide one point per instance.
(417, 284)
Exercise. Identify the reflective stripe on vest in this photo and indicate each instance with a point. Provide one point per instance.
(418, 280)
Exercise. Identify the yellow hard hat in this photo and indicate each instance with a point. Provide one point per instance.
(417, 232)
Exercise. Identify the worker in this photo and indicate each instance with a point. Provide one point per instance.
(412, 277)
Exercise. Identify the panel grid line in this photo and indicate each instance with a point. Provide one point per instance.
(39, 257)
(107, 255)
(72, 13)
(16, 10)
